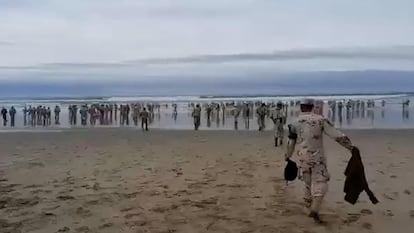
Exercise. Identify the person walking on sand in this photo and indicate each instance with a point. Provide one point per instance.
(196, 116)
(4, 114)
(144, 119)
(307, 134)
(278, 118)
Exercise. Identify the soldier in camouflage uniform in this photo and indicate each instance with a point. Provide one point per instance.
(307, 134)
(278, 117)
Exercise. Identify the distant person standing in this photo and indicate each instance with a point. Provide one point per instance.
(116, 112)
(12, 113)
(135, 114)
(278, 118)
(111, 113)
(32, 116)
(44, 116)
(57, 115)
(246, 115)
(236, 118)
(197, 116)
(84, 115)
(49, 116)
(75, 114)
(4, 114)
(144, 119)
(127, 111)
(25, 111)
(261, 115)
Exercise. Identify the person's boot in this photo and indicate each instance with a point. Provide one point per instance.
(307, 206)
(316, 217)
(315, 207)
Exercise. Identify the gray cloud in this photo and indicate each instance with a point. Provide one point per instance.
(391, 53)
(6, 43)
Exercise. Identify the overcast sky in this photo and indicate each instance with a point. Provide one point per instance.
(83, 39)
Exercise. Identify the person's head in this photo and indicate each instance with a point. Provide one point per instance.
(279, 105)
(197, 105)
(307, 105)
(145, 109)
(263, 105)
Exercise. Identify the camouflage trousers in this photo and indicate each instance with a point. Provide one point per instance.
(278, 131)
(316, 185)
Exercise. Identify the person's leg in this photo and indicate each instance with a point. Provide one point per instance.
(307, 179)
(198, 122)
(146, 125)
(320, 178)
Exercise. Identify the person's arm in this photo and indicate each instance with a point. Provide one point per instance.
(332, 132)
(292, 139)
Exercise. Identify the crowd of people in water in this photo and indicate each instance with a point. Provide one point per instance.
(359, 109)
(144, 114)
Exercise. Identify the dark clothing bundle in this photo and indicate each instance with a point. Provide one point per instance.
(291, 170)
(355, 181)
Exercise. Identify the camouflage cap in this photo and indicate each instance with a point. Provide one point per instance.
(307, 101)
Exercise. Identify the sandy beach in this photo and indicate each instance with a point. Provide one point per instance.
(125, 180)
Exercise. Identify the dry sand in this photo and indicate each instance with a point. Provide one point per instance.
(122, 180)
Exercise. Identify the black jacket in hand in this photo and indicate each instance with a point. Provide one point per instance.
(355, 181)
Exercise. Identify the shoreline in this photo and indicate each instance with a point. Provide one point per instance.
(117, 128)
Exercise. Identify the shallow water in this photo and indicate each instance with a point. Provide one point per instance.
(391, 116)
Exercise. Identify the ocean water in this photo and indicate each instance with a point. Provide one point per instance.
(393, 115)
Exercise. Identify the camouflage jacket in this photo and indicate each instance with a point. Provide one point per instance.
(307, 135)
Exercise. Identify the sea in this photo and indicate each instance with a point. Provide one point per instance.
(390, 116)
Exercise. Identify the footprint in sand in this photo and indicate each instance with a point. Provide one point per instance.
(9, 226)
(408, 192)
(18, 202)
(129, 216)
(65, 198)
(106, 225)
(64, 229)
(386, 196)
(412, 213)
(83, 229)
(137, 223)
(127, 209)
(83, 212)
(366, 212)
(352, 218)
(367, 226)
(389, 213)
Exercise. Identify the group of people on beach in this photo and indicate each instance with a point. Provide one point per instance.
(359, 109)
(108, 114)
(12, 113)
(142, 113)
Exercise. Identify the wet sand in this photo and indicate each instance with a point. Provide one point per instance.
(125, 180)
